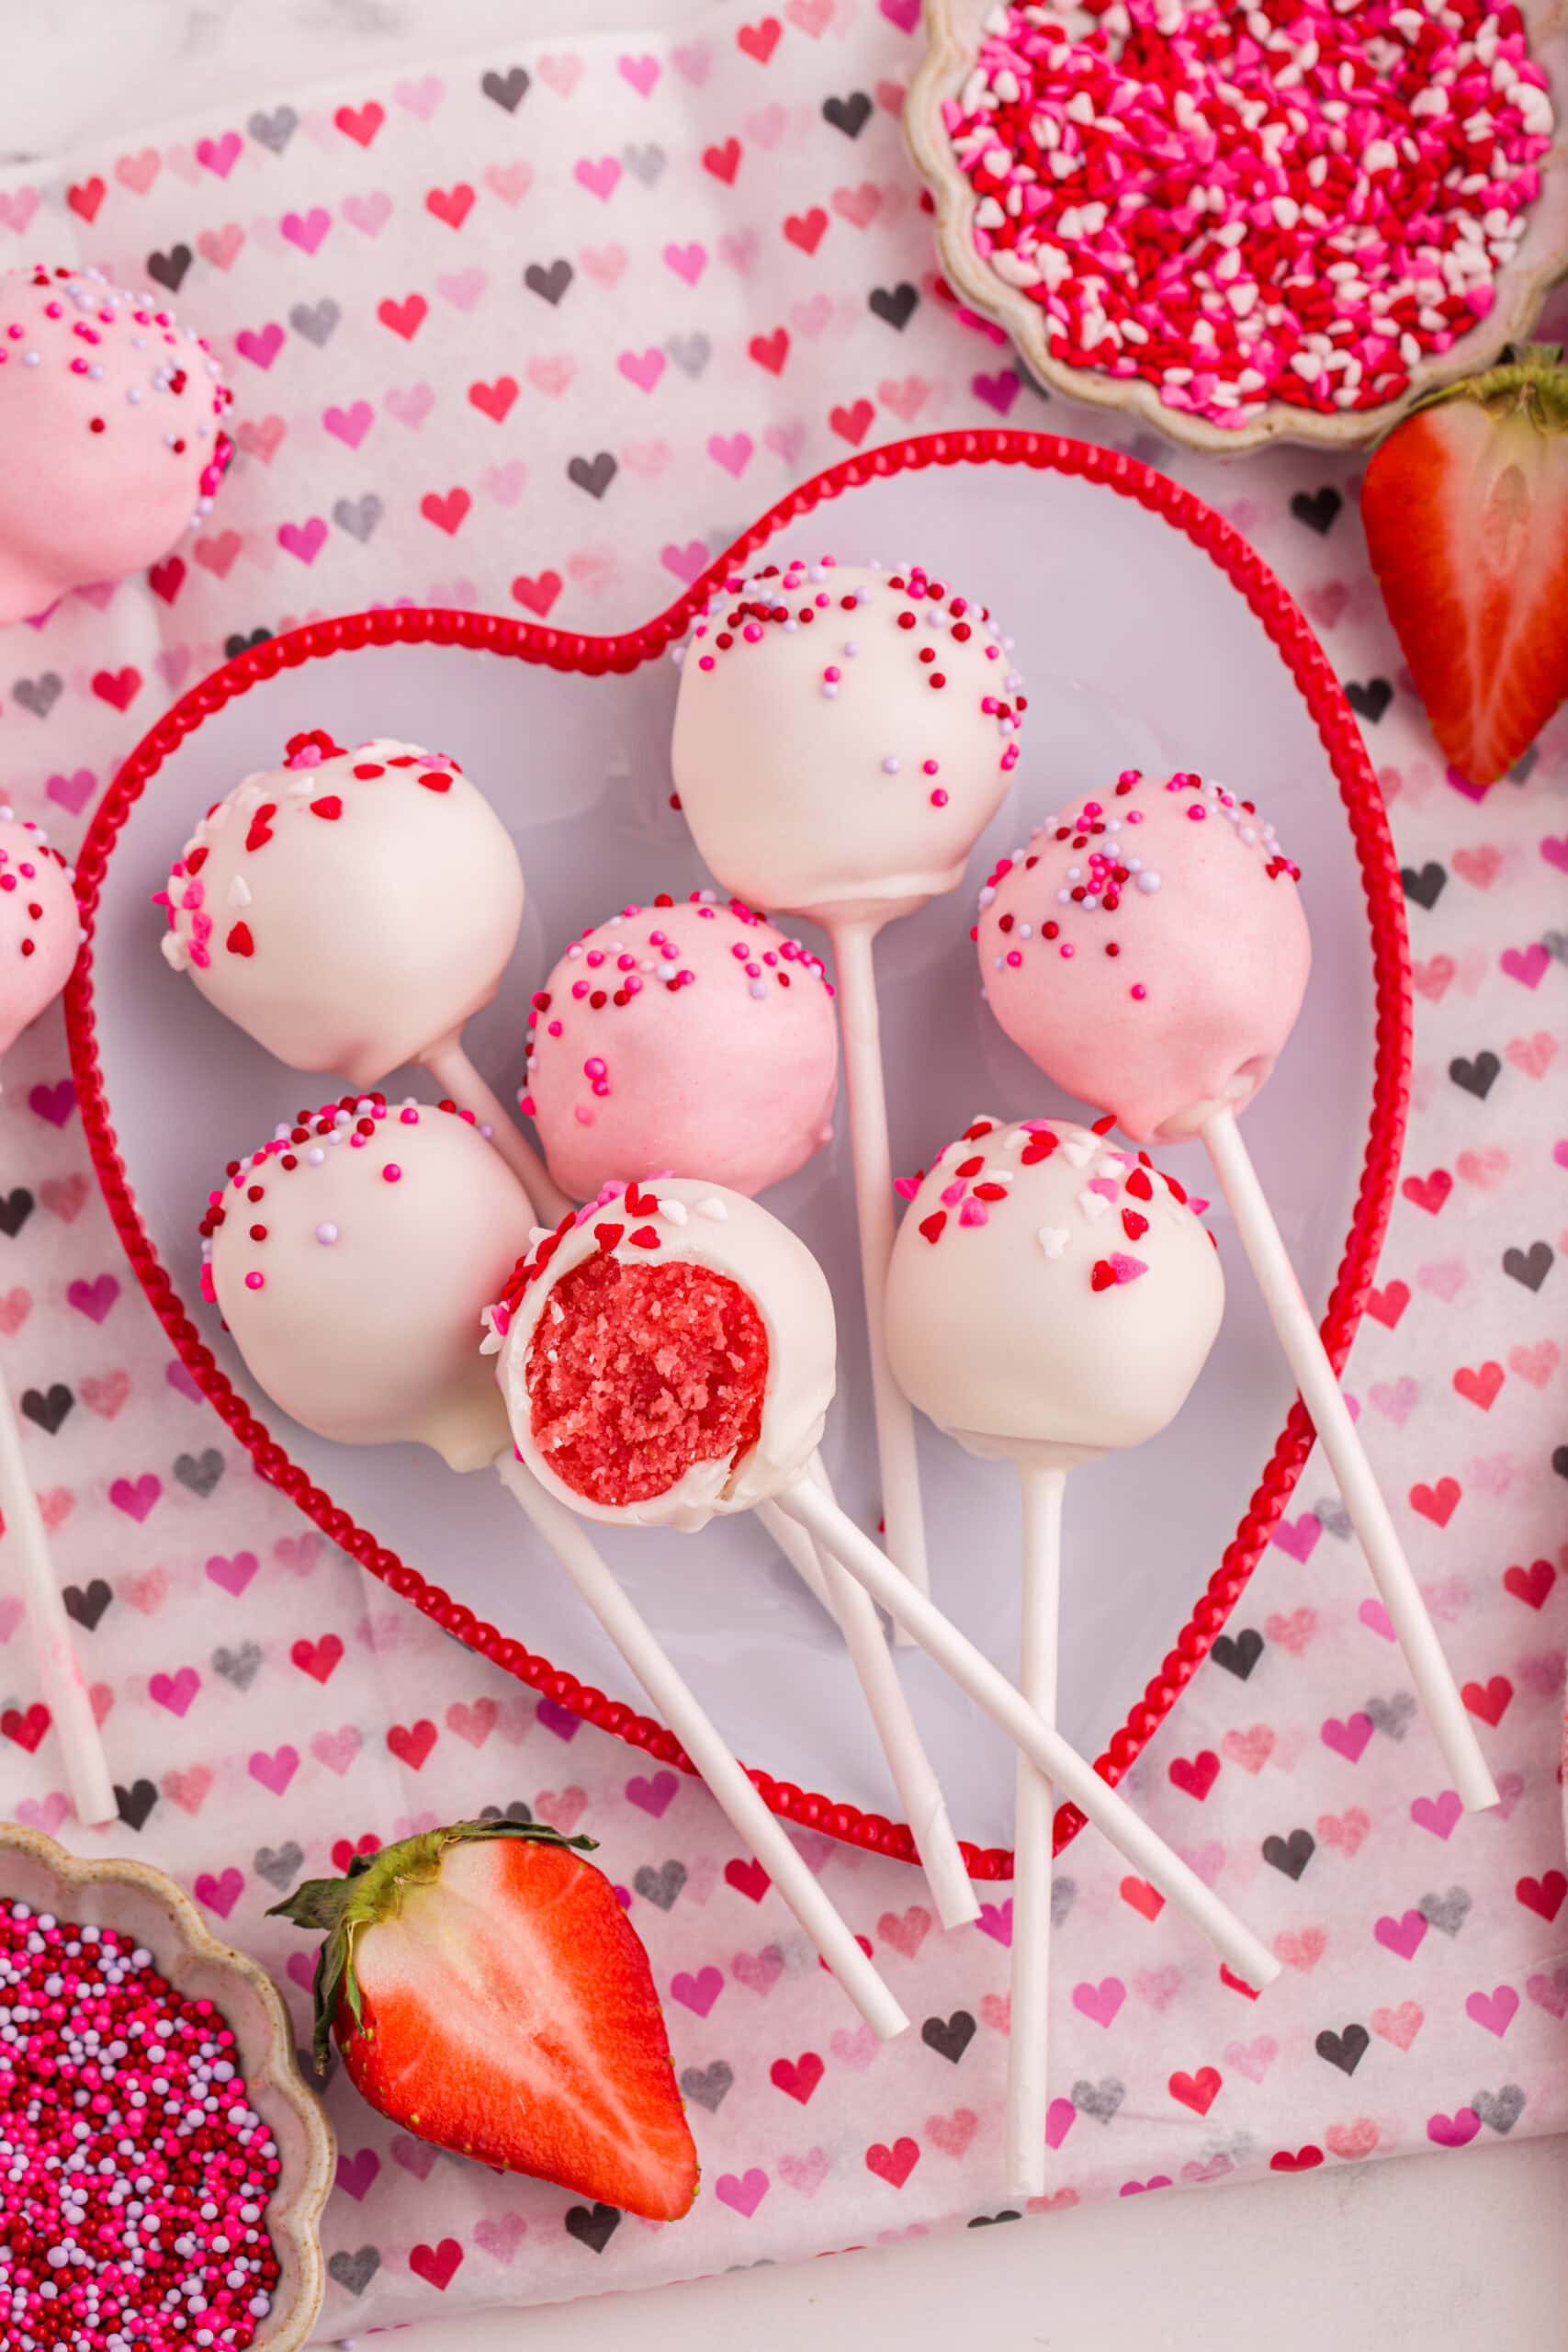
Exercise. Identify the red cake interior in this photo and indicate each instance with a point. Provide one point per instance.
(637, 1374)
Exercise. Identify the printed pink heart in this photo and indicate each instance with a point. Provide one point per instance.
(654, 1795)
(1102, 2002)
(906, 1932)
(1298, 1537)
(305, 541)
(560, 1808)
(275, 1772)
(804, 2174)
(501, 2238)
(1440, 1815)
(1456, 2131)
(421, 98)
(96, 1298)
(72, 792)
(996, 1921)
(1404, 1935)
(190, 1789)
(15, 1305)
(856, 2050)
(174, 1692)
(742, 2194)
(1300, 1949)
(697, 1992)
(600, 175)
(1349, 1739)
(220, 1895)
(305, 230)
(336, 1750)
(370, 213)
(474, 1721)
(561, 74)
(1373, 1613)
(1528, 965)
(349, 424)
(136, 1496)
(758, 1970)
(1251, 1749)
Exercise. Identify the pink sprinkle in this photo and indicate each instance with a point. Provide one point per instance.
(392, 1174)
(1138, 991)
(409, 1115)
(255, 1282)
(939, 799)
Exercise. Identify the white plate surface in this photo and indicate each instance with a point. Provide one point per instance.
(1135, 650)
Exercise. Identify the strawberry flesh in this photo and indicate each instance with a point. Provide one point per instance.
(1466, 512)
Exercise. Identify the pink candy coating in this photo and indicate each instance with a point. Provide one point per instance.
(110, 440)
(691, 1037)
(1152, 966)
(40, 928)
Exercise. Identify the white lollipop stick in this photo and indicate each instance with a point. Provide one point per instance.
(565, 1535)
(1321, 1395)
(798, 1550)
(1028, 2065)
(64, 1692)
(991, 1691)
(455, 1074)
(861, 1028)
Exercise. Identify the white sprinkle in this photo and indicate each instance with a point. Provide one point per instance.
(1053, 1239)
(712, 1209)
(674, 1211)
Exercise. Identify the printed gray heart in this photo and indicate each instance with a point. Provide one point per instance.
(200, 1471)
(709, 2086)
(279, 1865)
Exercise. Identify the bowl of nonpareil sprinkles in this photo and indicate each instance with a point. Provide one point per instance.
(1282, 220)
(162, 2168)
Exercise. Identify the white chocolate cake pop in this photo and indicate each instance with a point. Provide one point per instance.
(843, 735)
(353, 1257)
(110, 445)
(350, 909)
(1048, 1288)
(667, 1356)
(687, 1034)
(39, 927)
(1148, 950)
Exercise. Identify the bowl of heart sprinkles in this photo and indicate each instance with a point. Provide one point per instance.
(1245, 223)
(162, 2167)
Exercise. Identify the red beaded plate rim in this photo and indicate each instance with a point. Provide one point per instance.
(593, 657)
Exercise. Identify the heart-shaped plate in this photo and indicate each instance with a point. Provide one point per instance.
(1148, 634)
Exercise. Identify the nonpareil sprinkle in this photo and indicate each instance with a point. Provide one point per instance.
(134, 2172)
(1298, 201)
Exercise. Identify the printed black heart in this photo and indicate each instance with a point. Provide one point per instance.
(200, 1471)
(275, 130)
(1099, 2099)
(849, 115)
(239, 643)
(38, 695)
(238, 1667)
(15, 1210)
(709, 2086)
(1317, 509)
(1447, 1913)
(358, 516)
(508, 89)
(1063, 1894)
(354, 2272)
(593, 2225)
(549, 283)
(1371, 701)
(949, 2037)
(661, 1887)
(134, 1804)
(1290, 1854)
(1519, 772)
(169, 269)
(1530, 1266)
(87, 1605)
(1499, 2109)
(317, 321)
(1560, 1461)
(1237, 1652)
(279, 1865)
(895, 304)
(1425, 885)
(1477, 1077)
(593, 474)
(516, 1810)
(988, 2221)
(1332, 1518)
(1345, 2049)
(47, 1407)
(1393, 1716)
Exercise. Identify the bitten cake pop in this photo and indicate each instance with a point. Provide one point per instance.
(110, 440)
(1050, 1299)
(351, 910)
(666, 1358)
(688, 1034)
(39, 933)
(353, 1257)
(1149, 949)
(842, 736)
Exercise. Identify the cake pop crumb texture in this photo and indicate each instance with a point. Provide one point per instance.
(842, 733)
(638, 1373)
(1048, 1287)
(110, 440)
(353, 1257)
(351, 910)
(725, 1361)
(1148, 950)
(694, 1036)
(39, 927)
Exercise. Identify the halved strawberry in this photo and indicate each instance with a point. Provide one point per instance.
(489, 1994)
(1466, 512)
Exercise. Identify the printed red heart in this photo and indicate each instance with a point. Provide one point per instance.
(1482, 1385)
(1195, 1774)
(85, 197)
(1542, 1895)
(343, 1851)
(1531, 1585)
(360, 123)
(166, 579)
(537, 596)
(853, 424)
(26, 1729)
(1143, 1896)
(119, 687)
(1301, 2160)
(723, 161)
(1197, 2091)
(1490, 1701)
(438, 2263)
(452, 205)
(797, 2078)
(404, 318)
(895, 2163)
(494, 400)
(1438, 1503)
(770, 350)
(759, 41)
(746, 1877)
(805, 229)
(447, 513)
(411, 1743)
(319, 1659)
(1386, 1305)
(1428, 1193)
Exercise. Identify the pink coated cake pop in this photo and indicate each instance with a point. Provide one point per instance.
(352, 1257)
(1049, 1289)
(667, 1356)
(350, 909)
(843, 735)
(110, 440)
(39, 927)
(691, 1035)
(1148, 950)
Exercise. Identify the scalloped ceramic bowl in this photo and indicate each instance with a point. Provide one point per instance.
(953, 35)
(143, 1903)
